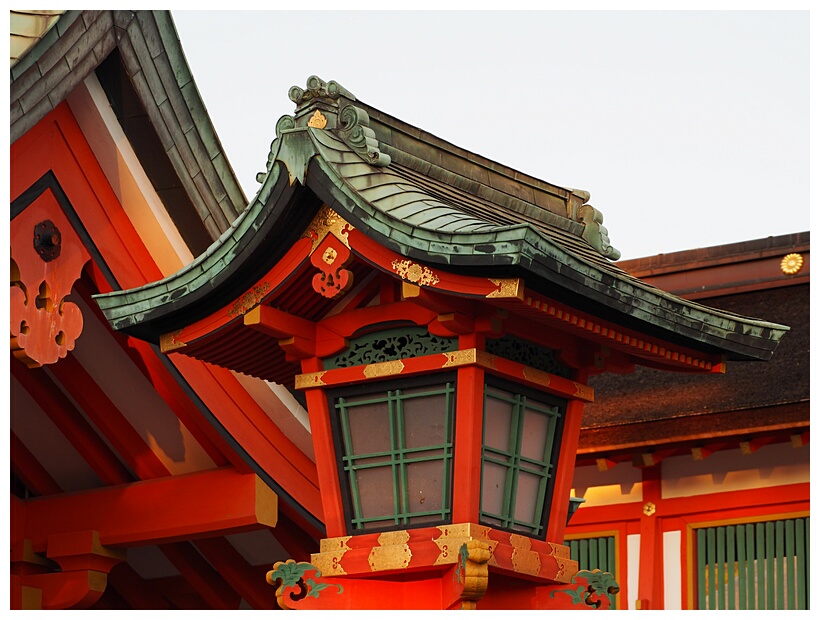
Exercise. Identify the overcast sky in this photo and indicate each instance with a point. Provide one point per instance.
(689, 129)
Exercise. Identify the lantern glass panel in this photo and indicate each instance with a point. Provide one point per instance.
(522, 430)
(397, 451)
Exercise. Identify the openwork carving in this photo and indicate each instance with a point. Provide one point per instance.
(391, 345)
(527, 353)
(415, 273)
(293, 583)
(43, 325)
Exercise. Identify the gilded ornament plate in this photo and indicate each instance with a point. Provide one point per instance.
(415, 273)
(392, 552)
(791, 264)
(318, 120)
(383, 369)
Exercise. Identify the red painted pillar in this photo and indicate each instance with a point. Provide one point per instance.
(650, 579)
(565, 467)
(325, 451)
(468, 436)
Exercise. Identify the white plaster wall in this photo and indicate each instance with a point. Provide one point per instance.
(672, 584)
(731, 470)
(633, 567)
(620, 484)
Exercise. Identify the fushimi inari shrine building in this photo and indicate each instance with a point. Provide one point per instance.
(365, 387)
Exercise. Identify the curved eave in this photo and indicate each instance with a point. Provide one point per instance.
(240, 255)
(473, 246)
(154, 61)
(531, 251)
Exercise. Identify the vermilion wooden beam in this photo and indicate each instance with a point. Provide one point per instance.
(207, 582)
(242, 577)
(164, 510)
(26, 467)
(279, 324)
(72, 424)
(106, 417)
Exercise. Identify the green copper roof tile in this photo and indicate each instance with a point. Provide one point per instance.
(428, 202)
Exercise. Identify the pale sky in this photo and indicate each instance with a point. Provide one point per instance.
(689, 129)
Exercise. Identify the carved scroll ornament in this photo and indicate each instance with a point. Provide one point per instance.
(46, 259)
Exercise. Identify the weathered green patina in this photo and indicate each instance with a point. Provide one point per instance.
(433, 202)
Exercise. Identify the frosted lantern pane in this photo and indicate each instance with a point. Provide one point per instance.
(425, 419)
(369, 427)
(534, 438)
(497, 421)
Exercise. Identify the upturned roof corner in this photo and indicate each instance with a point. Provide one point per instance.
(327, 106)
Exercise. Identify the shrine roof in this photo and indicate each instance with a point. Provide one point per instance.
(653, 408)
(148, 46)
(431, 201)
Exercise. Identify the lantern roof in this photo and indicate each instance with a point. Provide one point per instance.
(432, 202)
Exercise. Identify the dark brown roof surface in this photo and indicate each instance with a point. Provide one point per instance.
(650, 395)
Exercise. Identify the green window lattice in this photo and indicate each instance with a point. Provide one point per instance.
(399, 439)
(754, 565)
(520, 447)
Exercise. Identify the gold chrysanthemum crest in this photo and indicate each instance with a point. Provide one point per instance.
(791, 264)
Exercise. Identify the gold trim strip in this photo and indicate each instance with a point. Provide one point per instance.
(459, 358)
(536, 376)
(331, 552)
(524, 559)
(383, 369)
(309, 380)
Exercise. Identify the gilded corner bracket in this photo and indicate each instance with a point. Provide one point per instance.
(327, 221)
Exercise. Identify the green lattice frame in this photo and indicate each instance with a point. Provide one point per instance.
(512, 459)
(399, 456)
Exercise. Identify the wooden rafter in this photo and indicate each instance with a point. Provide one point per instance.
(26, 467)
(237, 572)
(135, 590)
(71, 423)
(106, 417)
(207, 582)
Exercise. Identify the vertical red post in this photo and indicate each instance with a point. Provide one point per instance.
(325, 451)
(468, 435)
(650, 583)
(565, 468)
